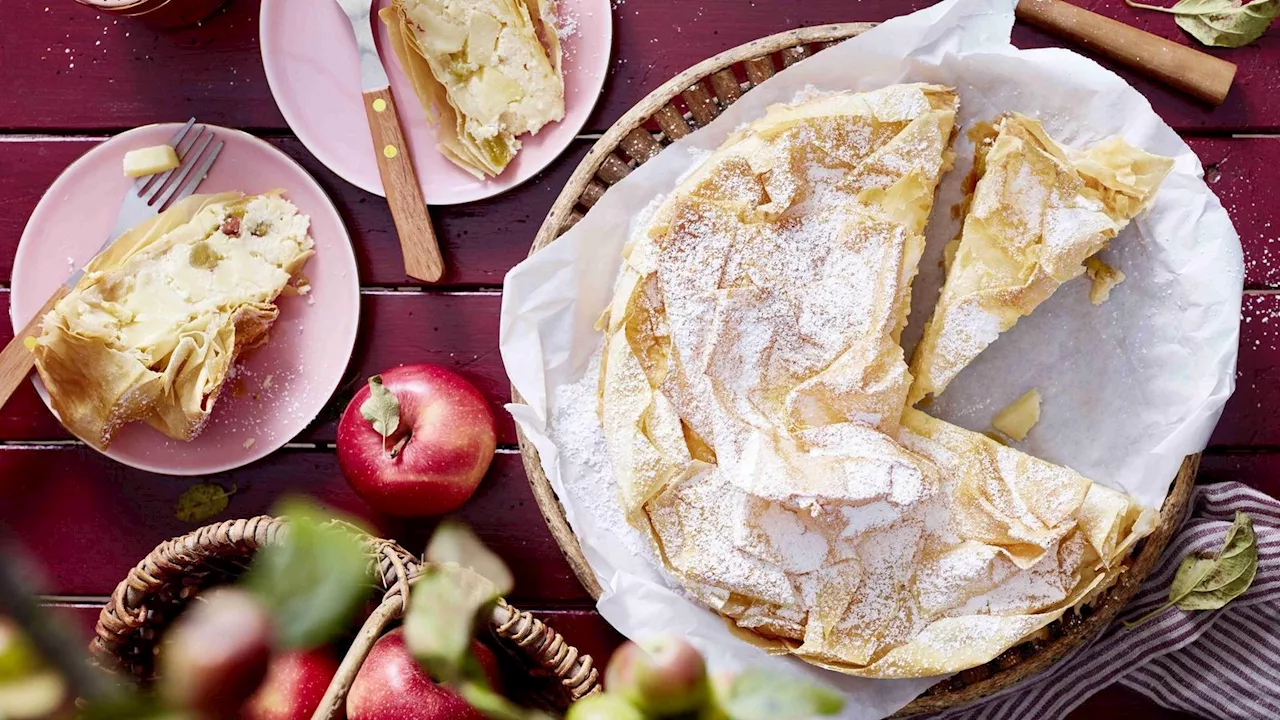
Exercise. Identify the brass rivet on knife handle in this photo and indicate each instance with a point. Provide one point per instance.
(1187, 69)
(17, 358)
(422, 259)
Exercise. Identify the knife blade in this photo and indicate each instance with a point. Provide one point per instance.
(372, 75)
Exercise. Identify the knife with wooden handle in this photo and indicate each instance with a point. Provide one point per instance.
(1187, 69)
(422, 259)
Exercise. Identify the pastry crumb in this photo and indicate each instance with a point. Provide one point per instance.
(1020, 416)
(249, 443)
(1104, 277)
(267, 382)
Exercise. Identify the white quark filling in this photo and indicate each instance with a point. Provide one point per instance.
(203, 273)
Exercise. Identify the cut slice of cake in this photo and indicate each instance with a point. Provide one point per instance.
(487, 72)
(152, 330)
(1038, 211)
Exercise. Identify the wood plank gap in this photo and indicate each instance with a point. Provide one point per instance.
(74, 601)
(44, 138)
(97, 601)
(463, 291)
(1240, 450)
(102, 133)
(39, 444)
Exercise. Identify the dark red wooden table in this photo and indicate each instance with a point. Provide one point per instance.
(69, 78)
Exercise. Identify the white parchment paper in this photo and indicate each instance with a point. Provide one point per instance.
(1129, 388)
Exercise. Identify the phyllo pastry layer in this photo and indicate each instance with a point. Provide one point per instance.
(487, 71)
(752, 394)
(152, 330)
(1038, 211)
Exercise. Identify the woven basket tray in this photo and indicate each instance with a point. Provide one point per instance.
(156, 591)
(691, 100)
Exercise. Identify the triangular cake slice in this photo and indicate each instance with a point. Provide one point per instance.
(1038, 211)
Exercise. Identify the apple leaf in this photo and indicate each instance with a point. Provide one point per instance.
(454, 543)
(1203, 583)
(761, 695)
(1221, 23)
(130, 705)
(382, 409)
(445, 606)
(202, 501)
(313, 578)
(493, 705)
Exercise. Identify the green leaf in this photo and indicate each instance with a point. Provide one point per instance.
(202, 501)
(18, 657)
(1191, 572)
(493, 705)
(1221, 23)
(445, 606)
(314, 578)
(454, 543)
(1210, 583)
(130, 706)
(760, 695)
(34, 696)
(381, 409)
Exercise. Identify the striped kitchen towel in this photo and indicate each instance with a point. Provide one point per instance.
(1214, 664)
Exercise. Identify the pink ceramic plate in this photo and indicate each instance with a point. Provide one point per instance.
(309, 53)
(281, 386)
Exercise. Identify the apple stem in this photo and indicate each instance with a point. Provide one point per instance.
(399, 446)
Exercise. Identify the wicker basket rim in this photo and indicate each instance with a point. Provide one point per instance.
(125, 616)
(605, 165)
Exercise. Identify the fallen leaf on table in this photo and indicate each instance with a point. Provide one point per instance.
(202, 501)
(1221, 23)
(1210, 583)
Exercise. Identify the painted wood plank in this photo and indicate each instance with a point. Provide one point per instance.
(1250, 419)
(461, 332)
(480, 240)
(1260, 470)
(68, 68)
(456, 331)
(88, 519)
(1240, 171)
(483, 240)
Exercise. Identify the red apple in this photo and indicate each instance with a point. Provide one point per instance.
(296, 682)
(216, 654)
(391, 685)
(433, 461)
(661, 676)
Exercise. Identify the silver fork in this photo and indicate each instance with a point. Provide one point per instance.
(151, 194)
(197, 147)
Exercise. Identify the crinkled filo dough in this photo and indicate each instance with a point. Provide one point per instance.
(487, 71)
(153, 328)
(753, 389)
(1038, 212)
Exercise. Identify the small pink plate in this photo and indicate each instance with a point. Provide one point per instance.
(280, 387)
(312, 65)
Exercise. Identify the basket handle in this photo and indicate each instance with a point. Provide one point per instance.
(335, 697)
